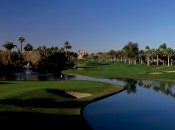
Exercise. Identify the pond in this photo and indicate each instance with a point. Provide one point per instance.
(144, 104)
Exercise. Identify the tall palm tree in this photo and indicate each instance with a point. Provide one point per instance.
(162, 48)
(67, 46)
(21, 40)
(157, 51)
(140, 55)
(147, 50)
(169, 53)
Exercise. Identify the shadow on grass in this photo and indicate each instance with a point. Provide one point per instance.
(43, 103)
(34, 120)
(39, 121)
(59, 93)
(5, 83)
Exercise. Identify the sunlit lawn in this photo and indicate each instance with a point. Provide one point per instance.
(123, 70)
(39, 104)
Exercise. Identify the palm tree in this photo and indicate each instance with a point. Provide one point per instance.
(169, 53)
(140, 55)
(21, 40)
(147, 50)
(112, 55)
(162, 48)
(157, 51)
(67, 46)
(99, 55)
(120, 55)
(28, 47)
(131, 51)
(9, 45)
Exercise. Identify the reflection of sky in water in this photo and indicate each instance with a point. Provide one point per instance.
(145, 109)
(149, 106)
(113, 81)
(173, 90)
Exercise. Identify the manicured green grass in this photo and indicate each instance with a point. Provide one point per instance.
(28, 102)
(123, 70)
(34, 90)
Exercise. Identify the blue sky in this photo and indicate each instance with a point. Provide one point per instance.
(89, 25)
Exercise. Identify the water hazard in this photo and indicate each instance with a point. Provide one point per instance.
(144, 105)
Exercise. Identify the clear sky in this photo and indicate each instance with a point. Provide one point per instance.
(89, 25)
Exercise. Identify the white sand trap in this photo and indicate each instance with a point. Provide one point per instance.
(156, 73)
(78, 94)
(170, 71)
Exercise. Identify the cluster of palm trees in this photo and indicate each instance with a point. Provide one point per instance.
(53, 57)
(47, 59)
(131, 54)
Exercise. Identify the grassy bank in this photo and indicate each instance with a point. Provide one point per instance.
(43, 105)
(123, 70)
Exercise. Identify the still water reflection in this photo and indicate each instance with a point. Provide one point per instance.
(144, 105)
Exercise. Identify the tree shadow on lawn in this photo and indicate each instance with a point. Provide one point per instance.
(38, 121)
(43, 103)
(60, 93)
(5, 83)
(34, 120)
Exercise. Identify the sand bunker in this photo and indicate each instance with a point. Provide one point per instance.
(78, 94)
(156, 73)
(67, 94)
(170, 71)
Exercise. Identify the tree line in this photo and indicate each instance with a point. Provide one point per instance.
(56, 59)
(131, 54)
(41, 59)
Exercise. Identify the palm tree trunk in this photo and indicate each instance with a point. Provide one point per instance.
(135, 61)
(147, 59)
(121, 59)
(168, 60)
(157, 59)
(21, 50)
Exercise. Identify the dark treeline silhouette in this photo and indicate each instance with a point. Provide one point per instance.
(42, 59)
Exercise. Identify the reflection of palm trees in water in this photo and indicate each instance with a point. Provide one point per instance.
(130, 85)
(167, 88)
